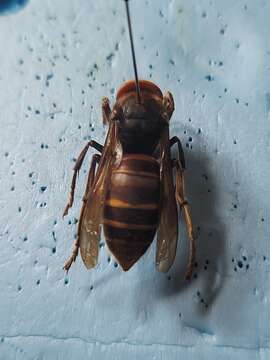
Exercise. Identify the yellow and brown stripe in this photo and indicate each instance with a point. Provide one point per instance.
(131, 211)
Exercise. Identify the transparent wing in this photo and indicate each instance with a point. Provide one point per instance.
(92, 216)
(167, 234)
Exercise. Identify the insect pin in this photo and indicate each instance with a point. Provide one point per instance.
(134, 187)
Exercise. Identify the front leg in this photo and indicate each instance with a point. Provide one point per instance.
(180, 198)
(106, 110)
(167, 106)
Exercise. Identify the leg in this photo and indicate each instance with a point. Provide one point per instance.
(90, 181)
(180, 198)
(76, 170)
(106, 110)
(168, 106)
(173, 141)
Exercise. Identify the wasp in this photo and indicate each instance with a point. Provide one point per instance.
(130, 189)
(134, 186)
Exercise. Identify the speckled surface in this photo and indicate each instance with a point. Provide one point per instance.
(58, 59)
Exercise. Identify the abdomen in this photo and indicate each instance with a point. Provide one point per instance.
(131, 211)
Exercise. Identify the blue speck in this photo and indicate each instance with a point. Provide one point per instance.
(209, 78)
(49, 77)
(11, 6)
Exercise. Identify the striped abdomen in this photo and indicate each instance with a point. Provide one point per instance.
(131, 212)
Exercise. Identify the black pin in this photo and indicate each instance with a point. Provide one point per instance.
(133, 53)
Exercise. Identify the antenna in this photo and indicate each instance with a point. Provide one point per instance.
(133, 53)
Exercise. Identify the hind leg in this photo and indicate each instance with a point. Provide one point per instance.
(76, 170)
(176, 140)
(90, 181)
(180, 198)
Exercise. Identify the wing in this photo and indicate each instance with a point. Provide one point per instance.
(92, 216)
(167, 234)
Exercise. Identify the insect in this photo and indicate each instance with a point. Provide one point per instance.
(134, 186)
